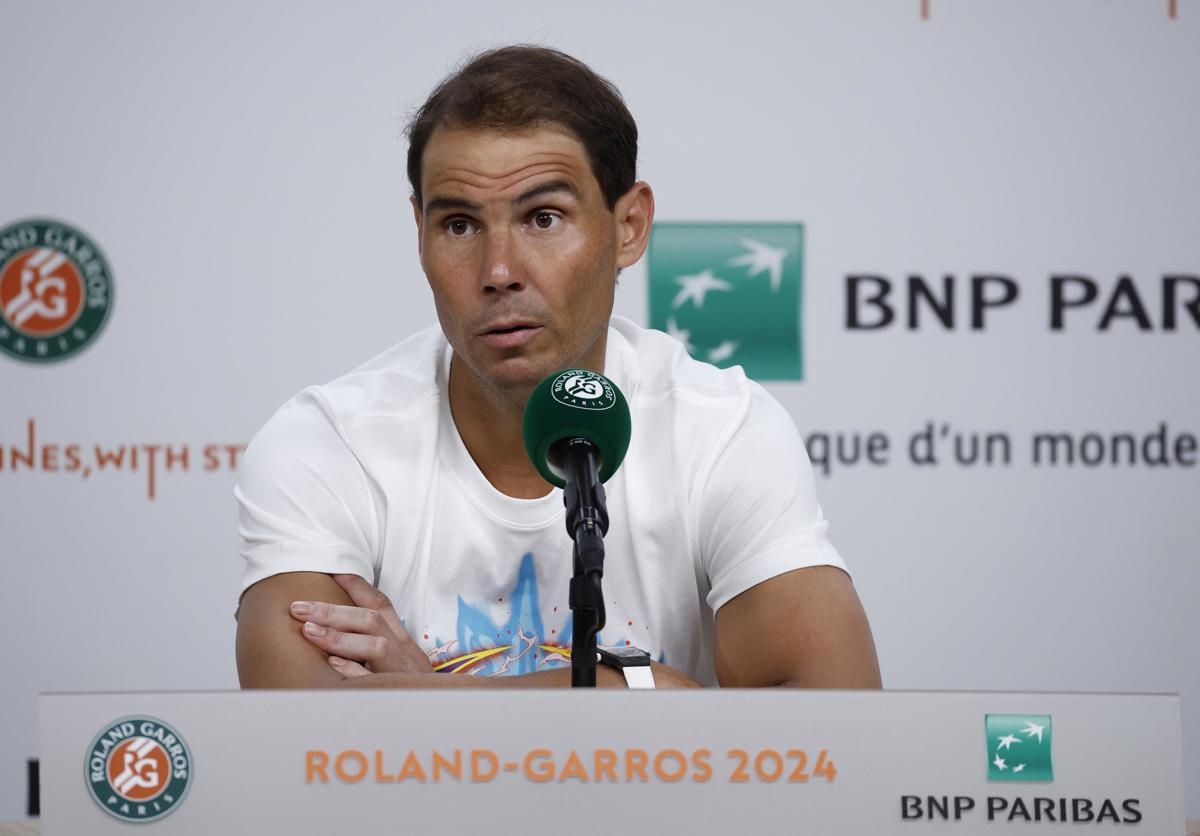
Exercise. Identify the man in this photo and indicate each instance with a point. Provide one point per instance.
(397, 535)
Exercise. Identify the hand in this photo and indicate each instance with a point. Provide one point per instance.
(366, 638)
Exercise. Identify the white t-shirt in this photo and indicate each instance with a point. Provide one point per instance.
(368, 475)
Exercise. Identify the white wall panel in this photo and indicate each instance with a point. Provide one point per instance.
(242, 166)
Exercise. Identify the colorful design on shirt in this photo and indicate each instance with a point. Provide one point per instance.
(484, 647)
(463, 664)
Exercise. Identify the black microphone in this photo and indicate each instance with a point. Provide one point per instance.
(577, 430)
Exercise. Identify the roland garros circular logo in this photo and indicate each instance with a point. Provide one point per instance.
(55, 290)
(583, 389)
(138, 768)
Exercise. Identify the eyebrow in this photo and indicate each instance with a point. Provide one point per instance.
(439, 203)
(552, 187)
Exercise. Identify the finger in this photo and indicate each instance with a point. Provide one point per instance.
(354, 646)
(346, 619)
(364, 594)
(361, 592)
(383, 654)
(347, 667)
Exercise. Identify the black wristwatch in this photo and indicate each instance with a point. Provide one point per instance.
(633, 662)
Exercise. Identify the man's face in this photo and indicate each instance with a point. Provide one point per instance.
(520, 250)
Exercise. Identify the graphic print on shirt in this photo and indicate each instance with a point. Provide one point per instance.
(521, 645)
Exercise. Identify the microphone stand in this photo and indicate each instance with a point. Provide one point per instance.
(587, 523)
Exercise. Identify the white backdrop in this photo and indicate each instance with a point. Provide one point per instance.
(242, 166)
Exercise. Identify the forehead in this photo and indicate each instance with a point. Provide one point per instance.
(458, 160)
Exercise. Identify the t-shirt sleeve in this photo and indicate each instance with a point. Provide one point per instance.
(759, 515)
(305, 503)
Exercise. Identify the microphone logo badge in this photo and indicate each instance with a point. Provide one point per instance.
(583, 389)
(138, 769)
(55, 290)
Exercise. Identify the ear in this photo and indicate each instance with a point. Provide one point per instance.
(420, 219)
(633, 215)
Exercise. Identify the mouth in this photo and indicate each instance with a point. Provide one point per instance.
(509, 334)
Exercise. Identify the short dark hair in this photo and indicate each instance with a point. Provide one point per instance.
(516, 87)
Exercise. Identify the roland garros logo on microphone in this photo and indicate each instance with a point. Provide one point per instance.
(55, 290)
(583, 389)
(138, 768)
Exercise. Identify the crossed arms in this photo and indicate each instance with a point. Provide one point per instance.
(804, 628)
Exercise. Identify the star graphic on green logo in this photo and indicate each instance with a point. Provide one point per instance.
(731, 294)
(1018, 747)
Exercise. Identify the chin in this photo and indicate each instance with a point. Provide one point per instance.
(514, 380)
(517, 374)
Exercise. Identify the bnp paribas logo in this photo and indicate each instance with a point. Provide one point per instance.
(1018, 747)
(731, 293)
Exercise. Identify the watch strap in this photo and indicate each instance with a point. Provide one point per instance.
(638, 677)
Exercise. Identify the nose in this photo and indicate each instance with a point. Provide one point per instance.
(499, 270)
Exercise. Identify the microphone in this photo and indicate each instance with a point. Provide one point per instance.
(575, 404)
(577, 430)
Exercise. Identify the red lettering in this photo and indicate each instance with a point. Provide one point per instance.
(176, 456)
(27, 457)
(211, 462)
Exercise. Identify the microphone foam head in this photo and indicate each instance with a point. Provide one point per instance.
(576, 403)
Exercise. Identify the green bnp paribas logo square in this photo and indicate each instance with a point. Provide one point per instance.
(731, 293)
(1018, 747)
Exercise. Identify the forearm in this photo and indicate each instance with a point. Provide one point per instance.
(606, 677)
(868, 681)
(307, 640)
(558, 678)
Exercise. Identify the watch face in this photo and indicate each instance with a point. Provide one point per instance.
(626, 652)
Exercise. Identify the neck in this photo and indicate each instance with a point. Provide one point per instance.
(489, 423)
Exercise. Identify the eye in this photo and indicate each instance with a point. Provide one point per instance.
(546, 220)
(459, 227)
